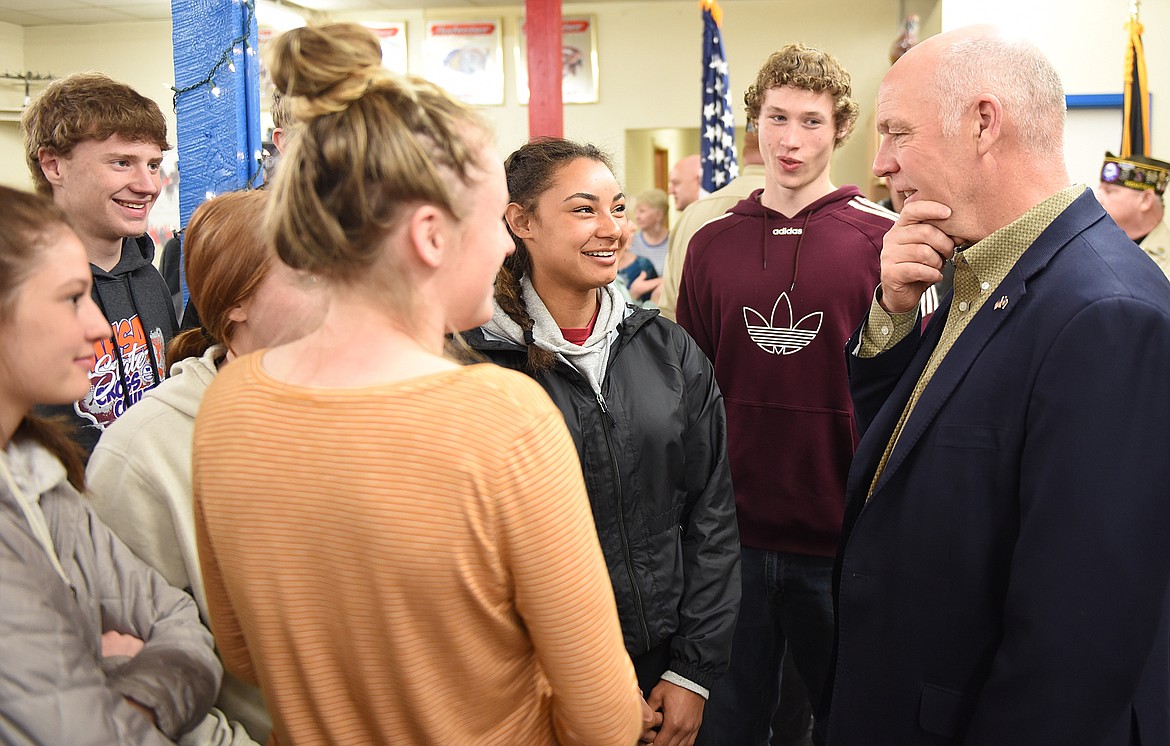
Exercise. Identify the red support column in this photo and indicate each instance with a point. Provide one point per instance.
(546, 112)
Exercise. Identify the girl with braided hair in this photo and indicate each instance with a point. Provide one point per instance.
(646, 416)
(397, 548)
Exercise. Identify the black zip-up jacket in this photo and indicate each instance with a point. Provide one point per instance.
(653, 449)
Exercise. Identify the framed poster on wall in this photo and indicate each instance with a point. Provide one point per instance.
(466, 58)
(392, 35)
(578, 61)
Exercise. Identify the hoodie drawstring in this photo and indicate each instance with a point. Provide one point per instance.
(796, 254)
(765, 240)
(159, 374)
(117, 347)
(113, 337)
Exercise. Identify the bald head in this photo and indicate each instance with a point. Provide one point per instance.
(751, 149)
(973, 120)
(684, 181)
(980, 60)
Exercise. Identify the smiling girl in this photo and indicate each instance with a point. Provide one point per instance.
(646, 416)
(98, 647)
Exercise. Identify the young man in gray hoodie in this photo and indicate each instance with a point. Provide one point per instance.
(95, 146)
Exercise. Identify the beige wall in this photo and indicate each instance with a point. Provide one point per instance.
(1086, 41)
(648, 54)
(649, 62)
(12, 169)
(650, 67)
(137, 53)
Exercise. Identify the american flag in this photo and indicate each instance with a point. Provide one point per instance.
(718, 140)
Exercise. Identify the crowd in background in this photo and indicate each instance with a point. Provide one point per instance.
(434, 462)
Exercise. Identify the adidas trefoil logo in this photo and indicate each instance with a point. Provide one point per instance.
(782, 340)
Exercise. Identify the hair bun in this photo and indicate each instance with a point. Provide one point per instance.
(323, 69)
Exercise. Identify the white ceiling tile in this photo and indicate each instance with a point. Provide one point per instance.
(22, 18)
(82, 15)
(36, 6)
(146, 11)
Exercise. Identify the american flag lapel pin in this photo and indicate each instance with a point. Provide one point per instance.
(1001, 303)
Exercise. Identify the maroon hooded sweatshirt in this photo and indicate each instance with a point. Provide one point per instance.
(772, 300)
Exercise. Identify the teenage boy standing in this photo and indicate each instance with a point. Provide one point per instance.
(771, 291)
(95, 146)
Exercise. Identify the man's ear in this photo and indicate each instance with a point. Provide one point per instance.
(50, 162)
(1148, 200)
(988, 112)
(428, 230)
(519, 220)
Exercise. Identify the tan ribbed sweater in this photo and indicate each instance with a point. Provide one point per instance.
(409, 563)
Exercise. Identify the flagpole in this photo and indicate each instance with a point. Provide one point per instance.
(1135, 133)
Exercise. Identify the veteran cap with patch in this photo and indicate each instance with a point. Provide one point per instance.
(1136, 172)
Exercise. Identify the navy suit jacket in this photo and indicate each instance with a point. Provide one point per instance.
(1007, 582)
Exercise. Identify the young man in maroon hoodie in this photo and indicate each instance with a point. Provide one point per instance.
(771, 291)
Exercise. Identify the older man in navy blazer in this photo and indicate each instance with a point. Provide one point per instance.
(1004, 572)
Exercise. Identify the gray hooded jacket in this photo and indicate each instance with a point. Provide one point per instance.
(55, 686)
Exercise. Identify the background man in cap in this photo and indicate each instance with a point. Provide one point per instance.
(1131, 191)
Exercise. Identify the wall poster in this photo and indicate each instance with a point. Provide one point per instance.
(465, 57)
(578, 61)
(392, 36)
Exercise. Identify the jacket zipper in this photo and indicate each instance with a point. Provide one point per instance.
(613, 464)
(629, 562)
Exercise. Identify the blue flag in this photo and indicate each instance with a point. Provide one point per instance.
(717, 141)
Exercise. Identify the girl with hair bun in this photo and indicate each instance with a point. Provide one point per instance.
(398, 548)
(646, 415)
(140, 471)
(98, 647)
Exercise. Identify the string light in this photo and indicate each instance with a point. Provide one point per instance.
(225, 59)
(236, 48)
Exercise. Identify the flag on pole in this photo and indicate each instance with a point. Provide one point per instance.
(717, 143)
(1135, 133)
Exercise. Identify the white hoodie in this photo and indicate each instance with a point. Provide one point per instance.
(139, 479)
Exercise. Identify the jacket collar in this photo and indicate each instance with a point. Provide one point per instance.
(484, 340)
(1079, 216)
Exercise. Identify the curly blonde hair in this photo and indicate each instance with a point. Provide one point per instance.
(809, 69)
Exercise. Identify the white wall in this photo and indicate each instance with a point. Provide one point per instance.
(650, 66)
(137, 53)
(1086, 40)
(12, 169)
(649, 61)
